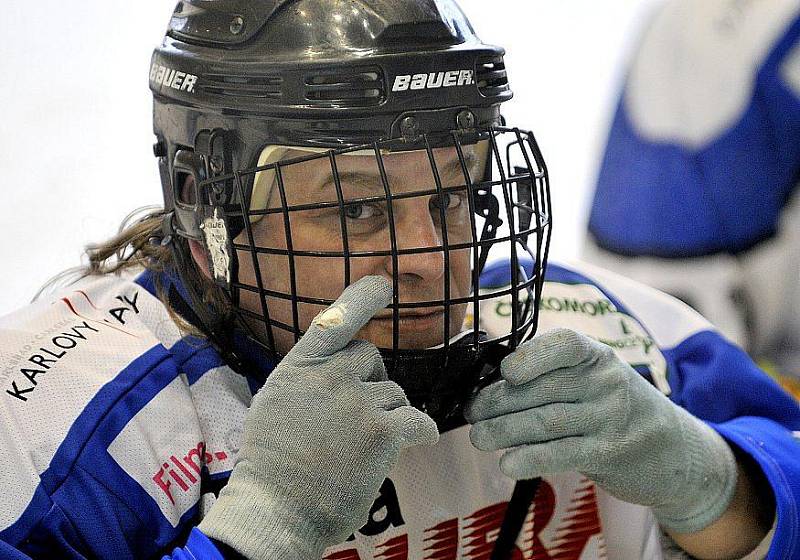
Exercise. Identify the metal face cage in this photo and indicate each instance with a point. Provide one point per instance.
(487, 198)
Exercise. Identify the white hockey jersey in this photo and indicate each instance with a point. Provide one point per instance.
(118, 432)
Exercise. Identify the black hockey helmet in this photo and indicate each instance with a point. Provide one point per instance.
(234, 79)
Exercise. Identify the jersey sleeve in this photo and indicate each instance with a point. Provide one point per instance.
(200, 547)
(718, 382)
(10, 553)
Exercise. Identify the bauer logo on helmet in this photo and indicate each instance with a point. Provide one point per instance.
(433, 80)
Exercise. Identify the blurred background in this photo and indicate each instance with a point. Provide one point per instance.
(76, 154)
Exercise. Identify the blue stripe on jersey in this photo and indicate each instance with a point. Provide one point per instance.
(38, 507)
(146, 281)
(701, 386)
(203, 359)
(7, 552)
(667, 200)
(220, 475)
(497, 274)
(198, 547)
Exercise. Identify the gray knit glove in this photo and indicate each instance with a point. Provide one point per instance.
(319, 440)
(568, 403)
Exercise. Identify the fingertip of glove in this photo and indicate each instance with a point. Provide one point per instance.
(476, 408)
(419, 428)
(377, 288)
(477, 437)
(469, 412)
(429, 432)
(512, 467)
(514, 368)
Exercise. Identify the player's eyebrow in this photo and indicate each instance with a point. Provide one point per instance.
(372, 181)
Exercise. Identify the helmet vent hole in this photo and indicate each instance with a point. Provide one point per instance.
(251, 87)
(349, 88)
(490, 73)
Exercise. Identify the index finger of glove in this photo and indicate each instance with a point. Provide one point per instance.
(414, 426)
(497, 399)
(334, 328)
(555, 349)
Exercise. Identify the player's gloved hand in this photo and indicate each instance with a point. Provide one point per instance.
(568, 403)
(319, 439)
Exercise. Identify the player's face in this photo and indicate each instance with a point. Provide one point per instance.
(417, 223)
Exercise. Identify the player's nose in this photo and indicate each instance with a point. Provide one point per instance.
(417, 231)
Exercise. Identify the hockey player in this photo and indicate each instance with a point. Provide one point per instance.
(697, 194)
(318, 362)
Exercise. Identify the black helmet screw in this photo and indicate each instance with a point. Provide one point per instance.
(409, 127)
(237, 25)
(465, 120)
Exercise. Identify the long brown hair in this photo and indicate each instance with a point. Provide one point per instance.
(135, 245)
(138, 245)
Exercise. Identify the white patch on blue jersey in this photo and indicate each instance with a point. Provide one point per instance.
(695, 72)
(162, 449)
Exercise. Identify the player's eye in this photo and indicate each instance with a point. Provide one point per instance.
(360, 211)
(449, 201)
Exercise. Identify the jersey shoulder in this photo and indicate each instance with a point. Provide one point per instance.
(64, 363)
(669, 320)
(643, 325)
(574, 288)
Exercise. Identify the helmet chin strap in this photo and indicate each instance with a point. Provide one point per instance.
(441, 382)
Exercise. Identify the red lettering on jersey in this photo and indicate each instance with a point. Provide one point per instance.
(543, 508)
(183, 469)
(393, 549)
(443, 541)
(351, 554)
(194, 460)
(578, 526)
(158, 478)
(477, 533)
(481, 531)
(176, 478)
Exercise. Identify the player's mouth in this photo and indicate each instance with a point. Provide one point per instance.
(412, 321)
